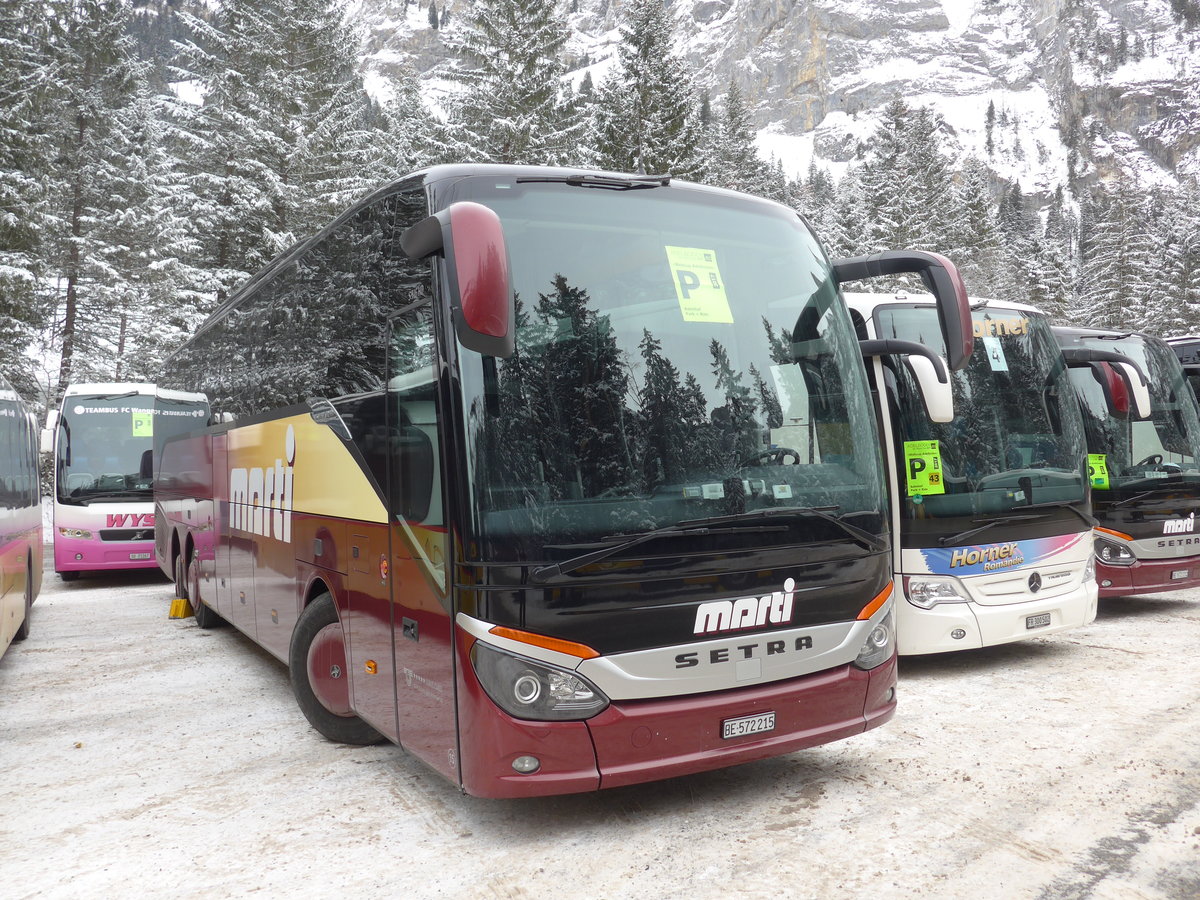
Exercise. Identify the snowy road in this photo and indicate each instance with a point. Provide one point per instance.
(145, 757)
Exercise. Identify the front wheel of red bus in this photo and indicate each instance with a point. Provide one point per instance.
(320, 678)
(23, 631)
(206, 616)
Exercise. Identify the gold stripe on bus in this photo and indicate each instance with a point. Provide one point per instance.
(309, 470)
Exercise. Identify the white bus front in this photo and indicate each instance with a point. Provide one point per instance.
(991, 523)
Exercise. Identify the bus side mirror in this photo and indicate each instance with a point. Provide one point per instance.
(47, 435)
(1117, 375)
(1139, 390)
(941, 279)
(471, 238)
(927, 368)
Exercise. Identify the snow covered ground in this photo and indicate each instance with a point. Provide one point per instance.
(145, 757)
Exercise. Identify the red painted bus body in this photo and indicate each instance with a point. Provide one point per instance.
(456, 518)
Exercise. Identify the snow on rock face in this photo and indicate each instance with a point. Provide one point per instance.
(1110, 84)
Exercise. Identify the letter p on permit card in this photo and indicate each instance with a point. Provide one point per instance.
(143, 424)
(923, 468)
(699, 285)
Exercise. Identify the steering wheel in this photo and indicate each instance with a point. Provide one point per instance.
(1154, 459)
(773, 457)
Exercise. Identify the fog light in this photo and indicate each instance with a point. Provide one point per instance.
(1106, 583)
(526, 765)
(890, 696)
(78, 557)
(958, 634)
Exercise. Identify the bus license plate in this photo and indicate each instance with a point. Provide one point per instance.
(1179, 574)
(139, 555)
(732, 728)
(1037, 621)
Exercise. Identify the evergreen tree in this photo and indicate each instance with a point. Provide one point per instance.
(646, 115)
(1118, 255)
(278, 144)
(514, 108)
(733, 162)
(25, 97)
(977, 248)
(96, 78)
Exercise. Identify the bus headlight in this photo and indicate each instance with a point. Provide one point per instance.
(927, 591)
(529, 689)
(879, 645)
(1089, 568)
(1114, 554)
(80, 533)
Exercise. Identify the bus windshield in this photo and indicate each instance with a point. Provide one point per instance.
(1136, 455)
(104, 447)
(1016, 439)
(682, 356)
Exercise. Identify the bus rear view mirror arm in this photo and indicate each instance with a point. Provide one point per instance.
(941, 279)
(1128, 370)
(928, 369)
(471, 238)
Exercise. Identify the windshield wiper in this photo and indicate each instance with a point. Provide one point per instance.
(543, 573)
(610, 182)
(1145, 495)
(871, 541)
(111, 396)
(108, 495)
(1064, 504)
(999, 520)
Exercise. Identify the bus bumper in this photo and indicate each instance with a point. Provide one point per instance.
(1148, 576)
(648, 740)
(82, 555)
(963, 626)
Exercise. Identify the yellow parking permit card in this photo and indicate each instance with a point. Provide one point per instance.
(923, 468)
(1098, 470)
(143, 423)
(698, 285)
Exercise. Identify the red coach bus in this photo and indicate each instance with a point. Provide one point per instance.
(560, 480)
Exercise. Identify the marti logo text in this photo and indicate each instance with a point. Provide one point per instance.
(260, 500)
(1180, 526)
(746, 612)
(129, 520)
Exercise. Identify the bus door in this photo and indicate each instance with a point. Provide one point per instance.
(422, 616)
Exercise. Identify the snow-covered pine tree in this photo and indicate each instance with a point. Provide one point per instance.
(277, 144)
(24, 153)
(161, 297)
(96, 77)
(977, 248)
(513, 107)
(646, 115)
(732, 160)
(1172, 298)
(1117, 256)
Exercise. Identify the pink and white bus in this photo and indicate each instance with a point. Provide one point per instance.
(20, 517)
(103, 438)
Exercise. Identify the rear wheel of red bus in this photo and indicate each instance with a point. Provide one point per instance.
(319, 676)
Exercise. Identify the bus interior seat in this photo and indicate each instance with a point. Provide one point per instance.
(80, 481)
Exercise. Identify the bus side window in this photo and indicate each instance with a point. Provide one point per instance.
(414, 425)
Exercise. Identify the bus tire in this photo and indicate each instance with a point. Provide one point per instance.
(206, 616)
(23, 631)
(181, 587)
(320, 676)
(68, 576)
